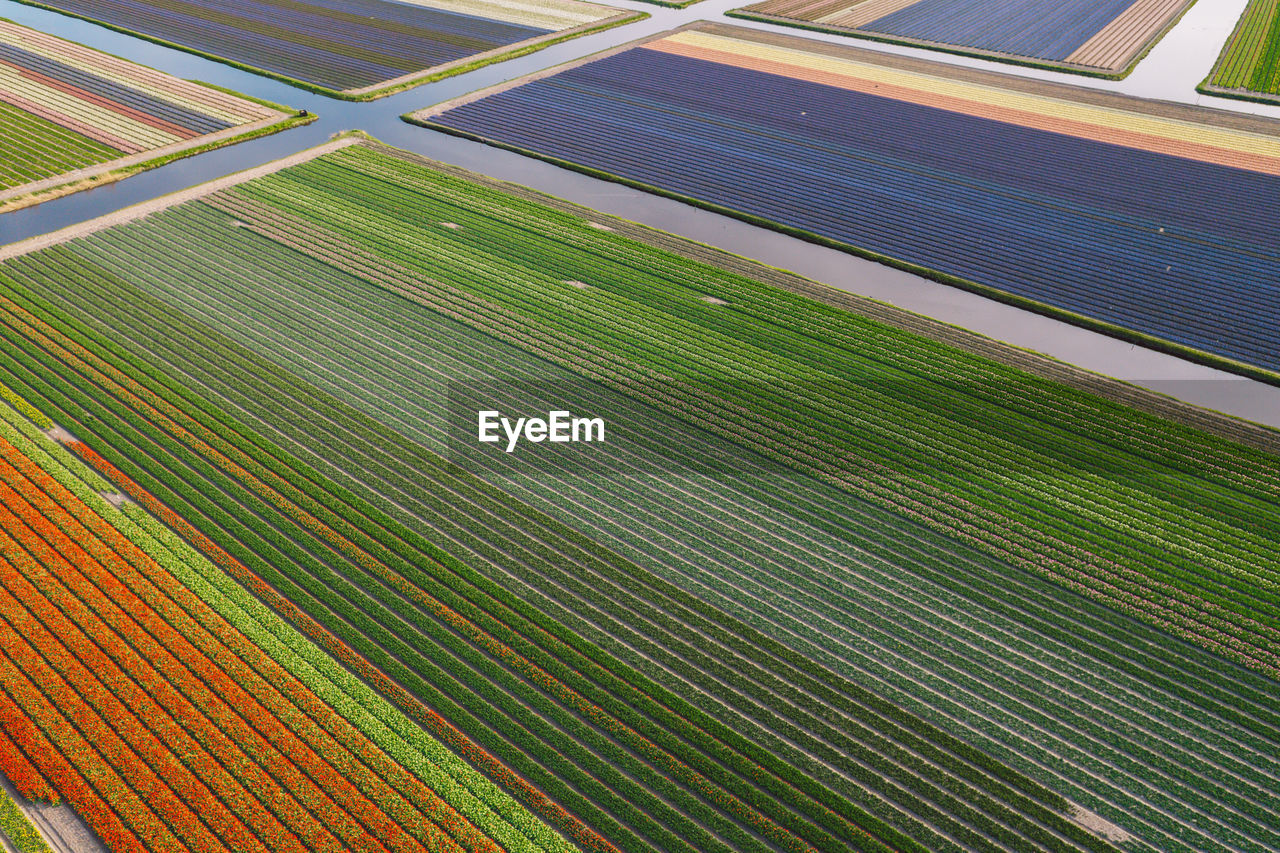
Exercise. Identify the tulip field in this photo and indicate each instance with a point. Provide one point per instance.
(174, 711)
(353, 49)
(979, 180)
(1249, 66)
(838, 578)
(1104, 39)
(70, 116)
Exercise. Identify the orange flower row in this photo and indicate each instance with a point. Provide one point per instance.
(19, 770)
(165, 415)
(208, 696)
(74, 623)
(331, 735)
(66, 669)
(79, 733)
(88, 784)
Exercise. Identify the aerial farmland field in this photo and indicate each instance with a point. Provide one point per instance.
(1249, 66)
(1099, 38)
(841, 578)
(986, 181)
(174, 711)
(72, 117)
(602, 428)
(356, 49)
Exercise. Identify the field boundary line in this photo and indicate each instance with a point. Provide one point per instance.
(139, 158)
(1119, 391)
(138, 211)
(488, 57)
(469, 97)
(1084, 95)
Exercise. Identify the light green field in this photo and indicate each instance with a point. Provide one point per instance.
(32, 149)
(1250, 61)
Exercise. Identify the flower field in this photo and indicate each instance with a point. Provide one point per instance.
(1098, 38)
(801, 600)
(1249, 66)
(355, 49)
(68, 113)
(175, 712)
(979, 180)
(17, 827)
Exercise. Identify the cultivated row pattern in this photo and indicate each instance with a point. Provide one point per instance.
(64, 107)
(351, 46)
(800, 599)
(1104, 211)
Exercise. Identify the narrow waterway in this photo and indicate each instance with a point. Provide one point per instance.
(1170, 72)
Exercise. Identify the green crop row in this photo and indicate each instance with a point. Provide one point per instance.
(35, 148)
(965, 443)
(276, 417)
(913, 435)
(490, 704)
(441, 268)
(178, 344)
(1250, 60)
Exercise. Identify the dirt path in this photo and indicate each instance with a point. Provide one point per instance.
(63, 830)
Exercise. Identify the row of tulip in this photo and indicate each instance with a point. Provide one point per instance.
(1250, 59)
(295, 667)
(69, 583)
(77, 771)
(519, 285)
(353, 756)
(927, 778)
(365, 625)
(1186, 599)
